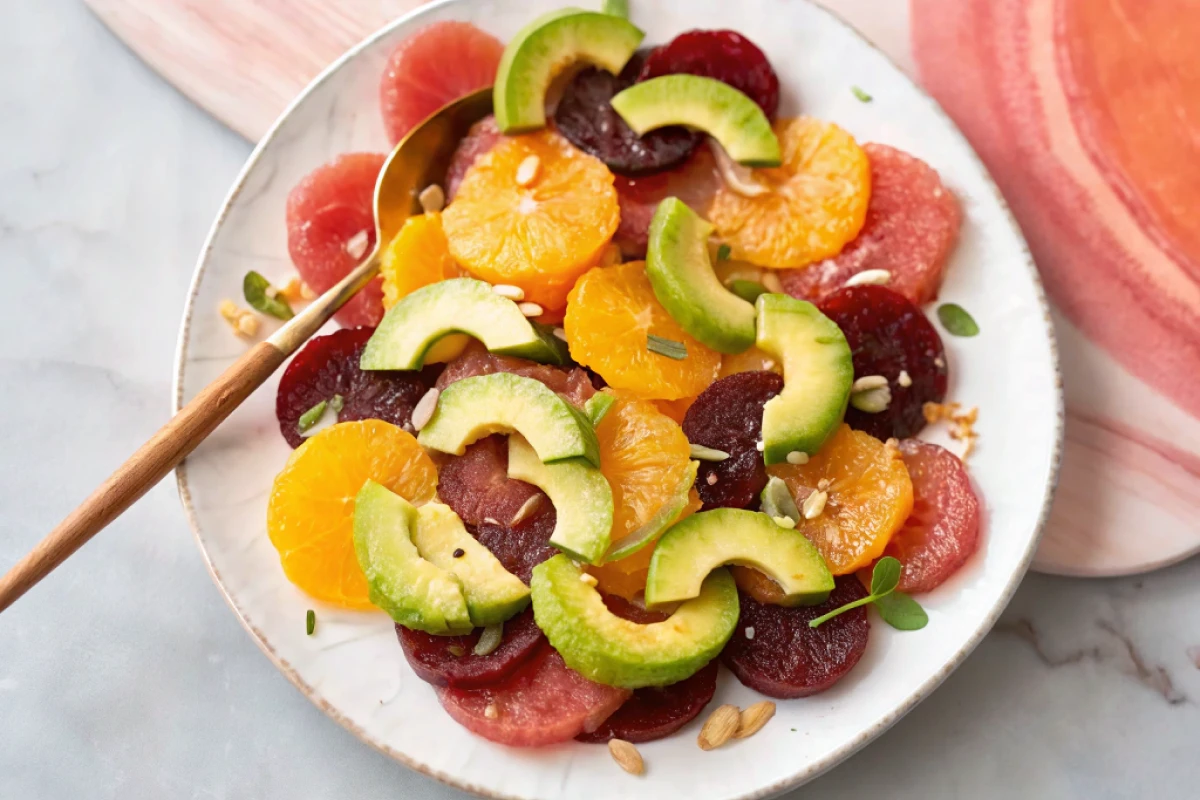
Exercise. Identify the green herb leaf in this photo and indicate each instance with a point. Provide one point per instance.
(886, 576)
(666, 347)
(723, 252)
(599, 405)
(956, 320)
(862, 601)
(901, 612)
(702, 453)
(312, 416)
(777, 500)
(747, 290)
(310, 622)
(617, 8)
(257, 291)
(862, 96)
(337, 403)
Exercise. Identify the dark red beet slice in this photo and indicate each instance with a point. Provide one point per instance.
(694, 182)
(543, 702)
(328, 366)
(585, 117)
(574, 383)
(728, 416)
(774, 651)
(726, 56)
(450, 660)
(328, 213)
(522, 546)
(889, 336)
(483, 136)
(655, 712)
(912, 223)
(942, 531)
(477, 487)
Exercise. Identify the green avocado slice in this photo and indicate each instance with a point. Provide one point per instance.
(475, 407)
(544, 48)
(582, 498)
(703, 542)
(817, 375)
(608, 649)
(716, 108)
(679, 269)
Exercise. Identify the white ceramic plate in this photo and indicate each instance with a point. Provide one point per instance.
(353, 667)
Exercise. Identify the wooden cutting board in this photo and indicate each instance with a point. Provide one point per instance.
(1129, 497)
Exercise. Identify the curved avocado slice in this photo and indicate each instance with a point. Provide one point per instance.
(460, 305)
(710, 539)
(493, 594)
(817, 375)
(582, 498)
(608, 649)
(501, 403)
(546, 46)
(681, 273)
(414, 592)
(716, 108)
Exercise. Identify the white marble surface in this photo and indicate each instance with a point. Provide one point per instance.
(125, 675)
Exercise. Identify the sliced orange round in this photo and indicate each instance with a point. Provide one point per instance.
(417, 256)
(533, 212)
(612, 314)
(869, 495)
(817, 203)
(645, 457)
(310, 516)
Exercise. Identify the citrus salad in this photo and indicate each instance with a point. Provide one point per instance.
(635, 396)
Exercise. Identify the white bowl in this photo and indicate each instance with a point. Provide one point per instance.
(353, 667)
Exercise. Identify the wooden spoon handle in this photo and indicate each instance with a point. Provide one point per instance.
(150, 464)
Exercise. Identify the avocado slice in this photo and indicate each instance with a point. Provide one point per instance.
(670, 511)
(414, 592)
(501, 403)
(699, 544)
(716, 108)
(679, 269)
(817, 376)
(582, 498)
(412, 327)
(608, 649)
(493, 594)
(544, 48)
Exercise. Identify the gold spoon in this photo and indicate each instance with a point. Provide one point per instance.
(419, 160)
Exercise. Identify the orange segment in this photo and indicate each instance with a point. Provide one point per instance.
(310, 516)
(644, 455)
(418, 256)
(818, 201)
(610, 313)
(540, 236)
(675, 409)
(752, 360)
(869, 497)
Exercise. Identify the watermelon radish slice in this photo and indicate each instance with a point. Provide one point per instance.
(542, 703)
(435, 66)
(331, 226)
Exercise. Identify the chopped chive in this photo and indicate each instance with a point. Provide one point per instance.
(310, 622)
(489, 640)
(861, 95)
(312, 416)
(666, 347)
(337, 403)
(956, 320)
(747, 290)
(703, 453)
(259, 294)
(723, 252)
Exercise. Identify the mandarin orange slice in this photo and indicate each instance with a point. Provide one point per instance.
(310, 516)
(533, 212)
(645, 456)
(869, 496)
(611, 312)
(418, 256)
(817, 203)
(751, 360)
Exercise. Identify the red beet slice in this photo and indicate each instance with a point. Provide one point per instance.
(522, 546)
(573, 384)
(888, 335)
(694, 182)
(328, 366)
(942, 531)
(543, 702)
(727, 416)
(483, 136)
(655, 712)
(774, 651)
(726, 56)
(477, 487)
(435, 66)
(327, 214)
(585, 117)
(912, 223)
(450, 660)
